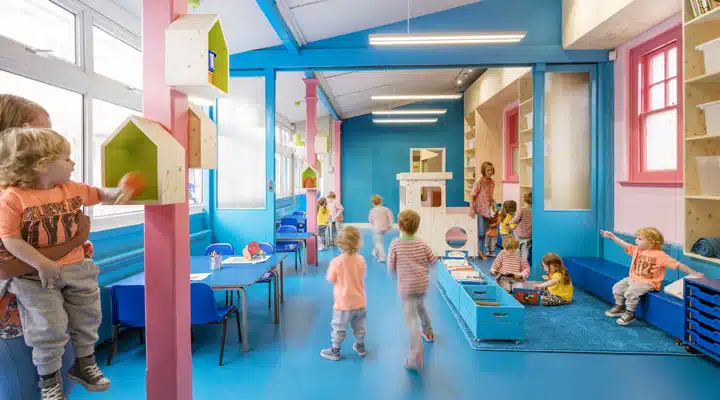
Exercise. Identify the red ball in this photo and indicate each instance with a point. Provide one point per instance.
(133, 182)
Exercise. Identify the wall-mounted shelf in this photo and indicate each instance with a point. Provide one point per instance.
(525, 97)
(143, 145)
(191, 42)
(526, 158)
(309, 177)
(702, 209)
(202, 140)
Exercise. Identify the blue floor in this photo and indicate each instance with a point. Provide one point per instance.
(283, 362)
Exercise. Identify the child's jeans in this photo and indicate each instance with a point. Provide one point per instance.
(335, 231)
(510, 283)
(525, 244)
(379, 245)
(48, 314)
(627, 292)
(340, 321)
(322, 236)
(416, 318)
(490, 243)
(482, 225)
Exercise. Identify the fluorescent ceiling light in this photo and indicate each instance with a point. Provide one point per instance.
(418, 97)
(446, 38)
(409, 112)
(406, 121)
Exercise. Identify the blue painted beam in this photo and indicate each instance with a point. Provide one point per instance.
(372, 58)
(324, 98)
(273, 15)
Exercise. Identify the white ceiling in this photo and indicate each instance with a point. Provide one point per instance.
(290, 91)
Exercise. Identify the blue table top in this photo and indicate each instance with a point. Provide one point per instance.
(229, 276)
(293, 235)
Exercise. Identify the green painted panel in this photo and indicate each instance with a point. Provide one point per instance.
(216, 43)
(131, 151)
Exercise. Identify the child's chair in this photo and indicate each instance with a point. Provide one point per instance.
(204, 310)
(288, 247)
(128, 311)
(290, 221)
(268, 249)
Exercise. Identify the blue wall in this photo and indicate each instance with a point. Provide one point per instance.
(373, 154)
(119, 253)
(284, 205)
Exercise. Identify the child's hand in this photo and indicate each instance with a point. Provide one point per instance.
(49, 274)
(607, 235)
(493, 272)
(518, 276)
(537, 287)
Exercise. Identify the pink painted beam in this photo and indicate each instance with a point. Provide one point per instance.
(336, 159)
(167, 260)
(310, 131)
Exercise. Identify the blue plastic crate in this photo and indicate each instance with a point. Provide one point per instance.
(704, 318)
(505, 321)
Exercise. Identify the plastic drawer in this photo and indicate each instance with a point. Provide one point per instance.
(704, 295)
(710, 334)
(704, 307)
(704, 318)
(698, 340)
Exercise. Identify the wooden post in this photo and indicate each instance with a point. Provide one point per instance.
(167, 261)
(311, 128)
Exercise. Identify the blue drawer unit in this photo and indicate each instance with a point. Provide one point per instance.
(505, 321)
(449, 285)
(702, 316)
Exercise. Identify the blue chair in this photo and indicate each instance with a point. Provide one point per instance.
(299, 214)
(204, 310)
(268, 276)
(128, 311)
(290, 221)
(225, 249)
(288, 247)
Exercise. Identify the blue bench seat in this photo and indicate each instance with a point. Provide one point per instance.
(597, 276)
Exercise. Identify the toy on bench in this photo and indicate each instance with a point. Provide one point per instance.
(527, 296)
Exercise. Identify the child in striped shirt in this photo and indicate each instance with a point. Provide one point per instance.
(411, 258)
(381, 220)
(523, 230)
(510, 267)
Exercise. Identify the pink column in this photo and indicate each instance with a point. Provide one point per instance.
(167, 260)
(336, 159)
(311, 128)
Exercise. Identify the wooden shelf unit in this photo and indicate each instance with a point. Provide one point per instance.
(469, 155)
(525, 97)
(701, 211)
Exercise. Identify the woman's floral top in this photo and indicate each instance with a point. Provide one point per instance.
(482, 193)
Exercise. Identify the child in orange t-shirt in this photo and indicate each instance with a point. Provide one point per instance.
(347, 272)
(647, 271)
(41, 207)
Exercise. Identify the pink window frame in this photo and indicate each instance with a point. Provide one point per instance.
(660, 44)
(511, 117)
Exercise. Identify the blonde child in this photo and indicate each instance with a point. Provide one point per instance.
(336, 216)
(647, 271)
(381, 220)
(510, 267)
(558, 289)
(482, 200)
(491, 236)
(347, 273)
(523, 230)
(411, 258)
(40, 207)
(509, 208)
(323, 216)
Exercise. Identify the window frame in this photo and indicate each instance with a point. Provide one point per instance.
(511, 112)
(639, 109)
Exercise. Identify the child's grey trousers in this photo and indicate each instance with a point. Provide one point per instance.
(48, 314)
(340, 321)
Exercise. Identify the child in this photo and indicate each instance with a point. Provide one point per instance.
(41, 207)
(558, 290)
(491, 236)
(647, 271)
(509, 208)
(523, 230)
(336, 216)
(482, 199)
(411, 258)
(381, 220)
(347, 272)
(511, 268)
(323, 215)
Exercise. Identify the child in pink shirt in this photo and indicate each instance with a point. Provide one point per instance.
(381, 219)
(347, 272)
(336, 216)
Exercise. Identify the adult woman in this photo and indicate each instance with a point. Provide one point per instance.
(482, 200)
(17, 373)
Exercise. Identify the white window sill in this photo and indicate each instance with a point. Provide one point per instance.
(119, 221)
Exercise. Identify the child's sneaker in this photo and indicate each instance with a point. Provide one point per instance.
(360, 349)
(51, 388)
(86, 372)
(615, 311)
(331, 353)
(626, 318)
(429, 336)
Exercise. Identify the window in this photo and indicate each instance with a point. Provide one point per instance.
(195, 189)
(65, 109)
(512, 145)
(43, 26)
(116, 59)
(656, 126)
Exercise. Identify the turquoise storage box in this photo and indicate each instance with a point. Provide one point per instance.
(502, 322)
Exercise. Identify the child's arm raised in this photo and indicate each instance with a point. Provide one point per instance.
(684, 268)
(611, 236)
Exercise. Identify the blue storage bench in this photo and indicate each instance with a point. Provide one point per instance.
(597, 276)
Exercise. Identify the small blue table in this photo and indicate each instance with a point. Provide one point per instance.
(230, 277)
(298, 237)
